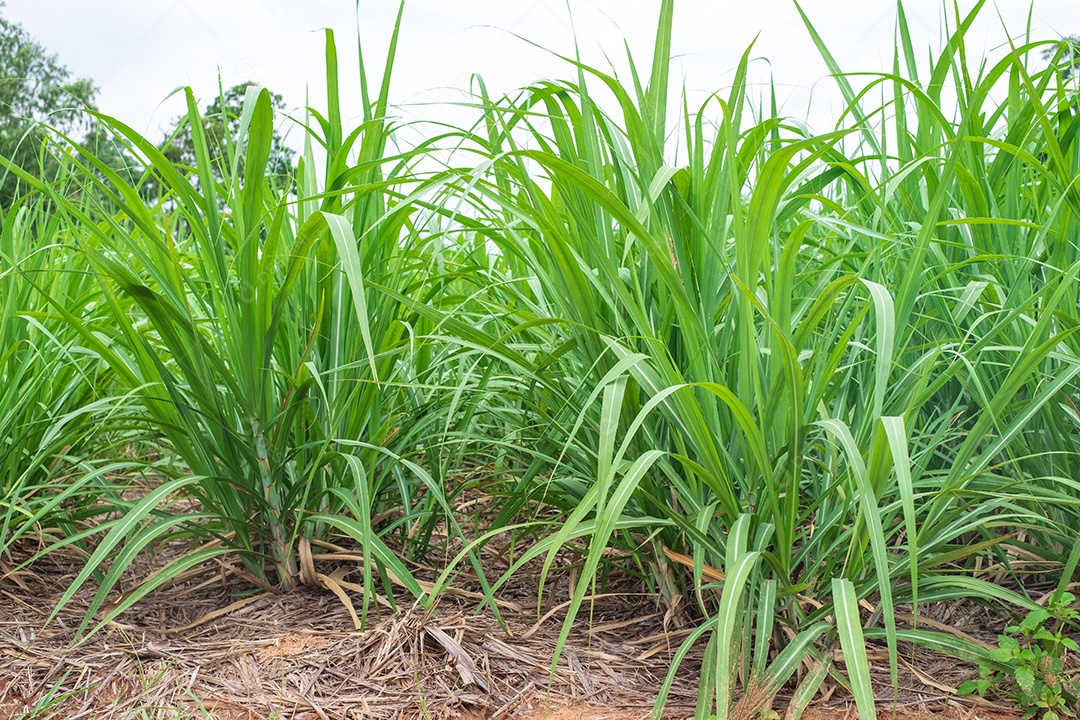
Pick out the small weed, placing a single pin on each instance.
(1034, 653)
(47, 706)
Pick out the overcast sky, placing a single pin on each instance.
(138, 51)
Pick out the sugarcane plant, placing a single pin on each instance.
(258, 326)
(851, 346)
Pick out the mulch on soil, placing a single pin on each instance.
(216, 641)
(214, 645)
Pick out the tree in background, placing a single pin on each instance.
(1069, 50)
(221, 120)
(35, 91)
(1066, 55)
(37, 94)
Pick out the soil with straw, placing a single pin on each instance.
(214, 645)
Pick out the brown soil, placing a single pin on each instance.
(213, 645)
(946, 712)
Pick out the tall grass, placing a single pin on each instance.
(54, 403)
(265, 341)
(830, 362)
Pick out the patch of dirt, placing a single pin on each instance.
(584, 712)
(943, 712)
(291, 645)
(847, 712)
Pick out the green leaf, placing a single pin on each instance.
(1025, 678)
(849, 628)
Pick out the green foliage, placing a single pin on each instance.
(54, 395)
(1032, 654)
(859, 349)
(221, 123)
(268, 342)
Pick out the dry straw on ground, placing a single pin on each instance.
(213, 645)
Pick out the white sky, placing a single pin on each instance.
(138, 51)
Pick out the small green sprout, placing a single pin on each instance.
(1034, 653)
